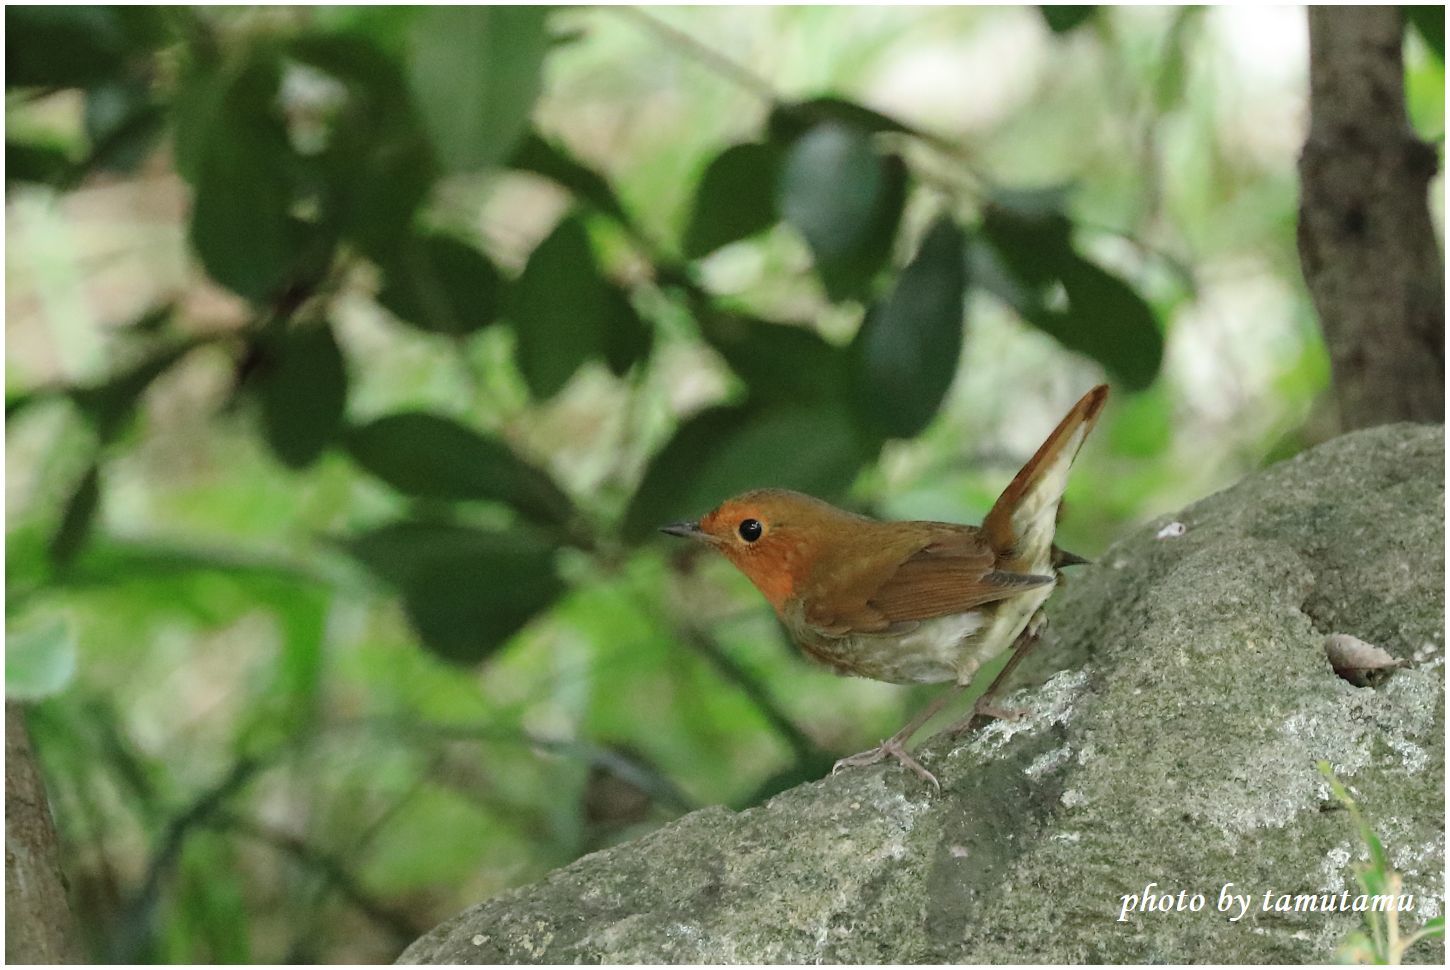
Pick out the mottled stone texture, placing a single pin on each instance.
(1175, 743)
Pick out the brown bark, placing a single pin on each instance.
(38, 924)
(1366, 243)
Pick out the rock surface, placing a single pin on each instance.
(1175, 744)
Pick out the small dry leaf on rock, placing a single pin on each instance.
(1360, 663)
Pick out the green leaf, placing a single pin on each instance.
(1030, 234)
(123, 122)
(63, 46)
(813, 448)
(566, 313)
(781, 363)
(40, 660)
(78, 519)
(1032, 259)
(789, 121)
(541, 157)
(846, 200)
(735, 198)
(442, 285)
(475, 72)
(430, 456)
(40, 162)
(378, 164)
(465, 590)
(241, 222)
(1062, 19)
(1429, 23)
(1108, 321)
(303, 392)
(908, 348)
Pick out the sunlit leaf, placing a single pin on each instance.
(40, 660)
(475, 72)
(735, 198)
(303, 392)
(430, 456)
(907, 351)
(465, 590)
(442, 285)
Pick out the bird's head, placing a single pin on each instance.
(772, 535)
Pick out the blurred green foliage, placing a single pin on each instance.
(355, 354)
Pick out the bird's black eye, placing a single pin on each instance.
(750, 529)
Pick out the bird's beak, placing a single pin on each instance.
(686, 530)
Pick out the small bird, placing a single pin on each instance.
(907, 602)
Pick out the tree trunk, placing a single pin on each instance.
(38, 925)
(1366, 243)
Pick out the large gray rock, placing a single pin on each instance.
(1176, 744)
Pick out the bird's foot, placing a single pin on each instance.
(890, 748)
(985, 708)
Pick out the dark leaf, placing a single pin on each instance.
(810, 447)
(63, 46)
(378, 166)
(1429, 23)
(303, 391)
(789, 121)
(566, 313)
(78, 519)
(781, 363)
(123, 123)
(474, 73)
(907, 350)
(442, 285)
(627, 338)
(1033, 266)
(430, 456)
(1030, 234)
(1108, 321)
(241, 222)
(542, 157)
(465, 590)
(846, 200)
(1064, 19)
(41, 163)
(735, 198)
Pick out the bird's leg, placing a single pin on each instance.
(895, 746)
(985, 705)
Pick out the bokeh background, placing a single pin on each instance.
(352, 353)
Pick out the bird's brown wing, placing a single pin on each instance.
(936, 574)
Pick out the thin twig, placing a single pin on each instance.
(327, 866)
(801, 745)
(714, 60)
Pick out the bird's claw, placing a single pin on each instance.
(890, 748)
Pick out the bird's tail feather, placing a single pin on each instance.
(1021, 525)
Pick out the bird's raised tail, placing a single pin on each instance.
(1021, 525)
